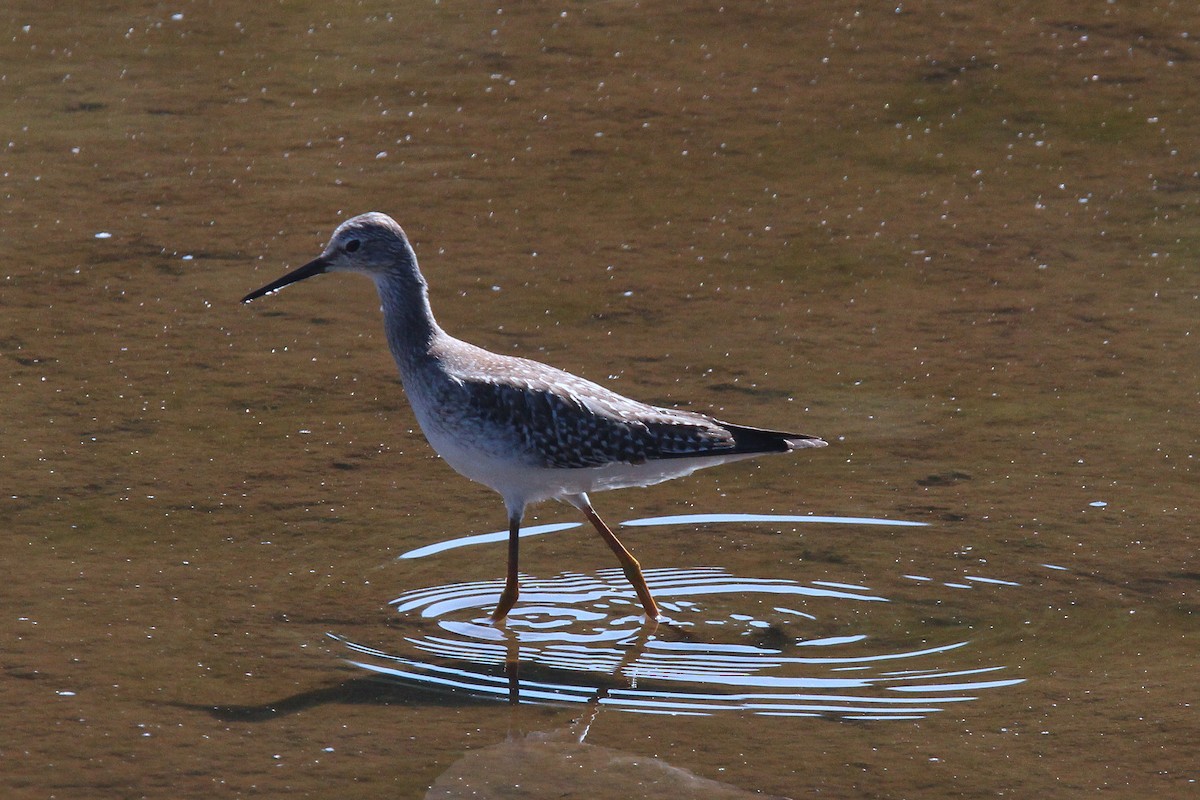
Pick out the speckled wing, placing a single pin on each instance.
(564, 421)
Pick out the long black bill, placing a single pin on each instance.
(314, 267)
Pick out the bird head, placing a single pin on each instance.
(371, 243)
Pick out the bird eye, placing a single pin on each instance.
(352, 245)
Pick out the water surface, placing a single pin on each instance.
(958, 244)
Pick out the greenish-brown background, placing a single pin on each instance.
(958, 240)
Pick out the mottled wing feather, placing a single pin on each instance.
(567, 430)
(561, 420)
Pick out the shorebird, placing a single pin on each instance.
(529, 431)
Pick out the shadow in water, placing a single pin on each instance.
(772, 647)
(560, 763)
(726, 643)
(775, 647)
(555, 765)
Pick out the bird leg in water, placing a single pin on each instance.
(633, 570)
(508, 597)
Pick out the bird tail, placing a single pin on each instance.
(762, 440)
(798, 442)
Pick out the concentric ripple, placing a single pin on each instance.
(726, 643)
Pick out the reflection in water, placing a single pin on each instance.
(554, 765)
(486, 538)
(695, 519)
(679, 519)
(771, 647)
(543, 763)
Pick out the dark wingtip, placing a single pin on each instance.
(762, 440)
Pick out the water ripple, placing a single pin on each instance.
(678, 519)
(726, 643)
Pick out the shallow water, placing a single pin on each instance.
(723, 643)
(960, 245)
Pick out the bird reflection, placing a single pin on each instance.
(560, 762)
(512, 666)
(727, 643)
(551, 764)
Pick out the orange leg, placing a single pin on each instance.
(508, 597)
(633, 570)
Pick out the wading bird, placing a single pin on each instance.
(529, 431)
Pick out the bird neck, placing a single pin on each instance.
(407, 318)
